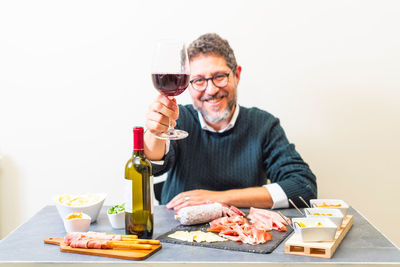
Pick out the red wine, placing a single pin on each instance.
(170, 84)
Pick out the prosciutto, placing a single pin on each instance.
(81, 239)
(238, 228)
(234, 226)
(267, 220)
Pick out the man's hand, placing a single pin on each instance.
(194, 197)
(160, 111)
(257, 197)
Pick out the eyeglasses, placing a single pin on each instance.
(220, 80)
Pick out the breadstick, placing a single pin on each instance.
(127, 245)
(145, 241)
(128, 237)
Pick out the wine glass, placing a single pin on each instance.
(170, 75)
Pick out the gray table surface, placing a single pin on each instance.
(363, 244)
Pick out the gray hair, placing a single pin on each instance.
(212, 44)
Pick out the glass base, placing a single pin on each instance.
(173, 135)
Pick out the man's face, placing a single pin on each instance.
(215, 104)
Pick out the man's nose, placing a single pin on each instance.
(211, 89)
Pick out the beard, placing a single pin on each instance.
(217, 116)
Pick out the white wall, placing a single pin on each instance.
(74, 79)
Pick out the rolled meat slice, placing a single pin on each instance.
(199, 214)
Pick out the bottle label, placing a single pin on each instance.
(128, 194)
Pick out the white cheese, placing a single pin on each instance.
(197, 236)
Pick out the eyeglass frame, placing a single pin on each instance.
(212, 80)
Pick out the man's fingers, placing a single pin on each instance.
(177, 200)
(168, 102)
(167, 106)
(160, 112)
(184, 204)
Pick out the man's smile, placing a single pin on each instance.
(214, 98)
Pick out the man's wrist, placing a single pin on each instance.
(277, 195)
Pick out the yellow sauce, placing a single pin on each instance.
(301, 224)
(324, 205)
(322, 214)
(75, 215)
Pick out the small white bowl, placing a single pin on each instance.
(335, 215)
(92, 208)
(117, 221)
(77, 224)
(330, 204)
(313, 233)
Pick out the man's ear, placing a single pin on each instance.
(237, 73)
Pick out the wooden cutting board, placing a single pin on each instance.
(137, 254)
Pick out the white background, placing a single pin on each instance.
(75, 79)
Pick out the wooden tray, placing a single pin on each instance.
(136, 254)
(319, 249)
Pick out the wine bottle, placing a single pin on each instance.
(138, 174)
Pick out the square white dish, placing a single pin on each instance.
(335, 215)
(330, 204)
(312, 233)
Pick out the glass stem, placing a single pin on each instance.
(170, 127)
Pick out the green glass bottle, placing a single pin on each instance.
(139, 209)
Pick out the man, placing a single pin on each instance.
(231, 150)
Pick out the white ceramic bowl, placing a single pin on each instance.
(330, 204)
(117, 221)
(92, 208)
(77, 224)
(334, 214)
(313, 233)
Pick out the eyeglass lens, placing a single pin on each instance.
(219, 80)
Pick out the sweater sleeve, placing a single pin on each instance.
(167, 162)
(285, 166)
(169, 158)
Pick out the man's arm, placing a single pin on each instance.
(247, 197)
(154, 148)
(286, 168)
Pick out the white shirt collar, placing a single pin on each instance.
(229, 126)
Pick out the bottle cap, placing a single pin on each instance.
(138, 138)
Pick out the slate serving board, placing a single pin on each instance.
(265, 248)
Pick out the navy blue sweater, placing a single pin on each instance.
(254, 150)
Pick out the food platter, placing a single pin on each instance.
(268, 247)
(265, 248)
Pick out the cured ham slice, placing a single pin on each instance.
(238, 228)
(95, 240)
(88, 243)
(237, 211)
(267, 220)
(90, 235)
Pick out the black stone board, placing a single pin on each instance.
(268, 247)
